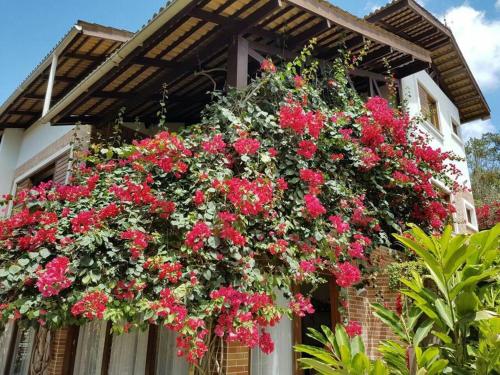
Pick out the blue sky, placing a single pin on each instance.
(30, 28)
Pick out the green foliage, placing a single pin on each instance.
(483, 159)
(456, 302)
(339, 354)
(395, 270)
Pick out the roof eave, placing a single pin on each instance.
(115, 59)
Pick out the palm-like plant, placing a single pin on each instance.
(338, 354)
(447, 297)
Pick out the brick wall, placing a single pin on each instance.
(62, 349)
(237, 359)
(359, 304)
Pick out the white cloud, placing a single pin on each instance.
(477, 128)
(479, 40)
(497, 4)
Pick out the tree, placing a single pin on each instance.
(281, 182)
(483, 158)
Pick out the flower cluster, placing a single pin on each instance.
(53, 278)
(91, 306)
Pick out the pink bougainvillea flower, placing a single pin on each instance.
(314, 207)
(246, 146)
(53, 278)
(353, 328)
(347, 275)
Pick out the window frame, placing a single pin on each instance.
(469, 207)
(436, 128)
(297, 322)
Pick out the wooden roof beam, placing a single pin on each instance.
(354, 24)
(82, 56)
(301, 39)
(388, 11)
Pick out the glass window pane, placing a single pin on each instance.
(280, 361)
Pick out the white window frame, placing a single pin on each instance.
(437, 133)
(453, 201)
(472, 226)
(456, 137)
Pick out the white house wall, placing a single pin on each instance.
(445, 139)
(38, 137)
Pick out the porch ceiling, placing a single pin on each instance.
(82, 50)
(191, 37)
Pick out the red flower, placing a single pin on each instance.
(301, 305)
(53, 279)
(197, 237)
(356, 250)
(338, 224)
(266, 343)
(347, 275)
(267, 66)
(298, 81)
(353, 328)
(279, 247)
(399, 304)
(250, 197)
(199, 198)
(84, 221)
(273, 152)
(214, 146)
(111, 210)
(313, 206)
(139, 241)
(232, 235)
(246, 146)
(307, 149)
(313, 179)
(170, 271)
(91, 306)
(282, 184)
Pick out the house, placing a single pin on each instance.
(193, 46)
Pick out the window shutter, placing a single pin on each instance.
(424, 100)
(61, 169)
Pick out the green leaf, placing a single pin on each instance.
(323, 369)
(14, 269)
(44, 253)
(422, 332)
(444, 312)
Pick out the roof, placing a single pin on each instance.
(188, 41)
(79, 52)
(409, 20)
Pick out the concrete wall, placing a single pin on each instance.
(9, 151)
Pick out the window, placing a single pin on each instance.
(428, 106)
(455, 128)
(469, 214)
(325, 300)
(280, 361)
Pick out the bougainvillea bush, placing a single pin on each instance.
(281, 183)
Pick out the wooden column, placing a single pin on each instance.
(237, 63)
